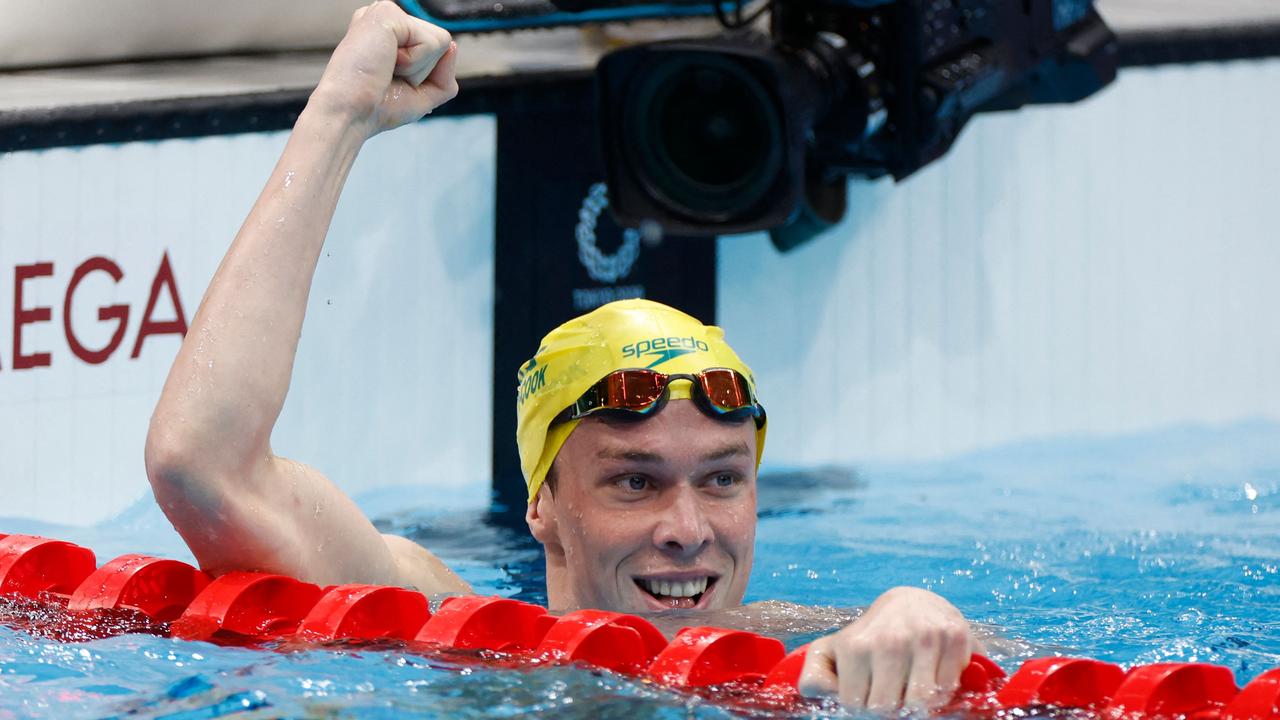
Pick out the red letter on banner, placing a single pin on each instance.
(164, 276)
(23, 316)
(119, 313)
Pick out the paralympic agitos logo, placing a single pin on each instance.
(662, 349)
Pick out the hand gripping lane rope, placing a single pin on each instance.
(164, 595)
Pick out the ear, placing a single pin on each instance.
(541, 517)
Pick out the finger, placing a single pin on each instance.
(441, 86)
(854, 668)
(443, 77)
(359, 13)
(922, 679)
(889, 668)
(416, 62)
(414, 102)
(818, 675)
(955, 657)
(420, 46)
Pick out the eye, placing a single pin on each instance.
(634, 483)
(724, 480)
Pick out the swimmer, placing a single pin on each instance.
(642, 483)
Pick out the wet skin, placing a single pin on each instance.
(641, 506)
(644, 513)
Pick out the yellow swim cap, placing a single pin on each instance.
(576, 355)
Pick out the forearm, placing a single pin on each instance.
(229, 380)
(208, 452)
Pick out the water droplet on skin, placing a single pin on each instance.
(288, 180)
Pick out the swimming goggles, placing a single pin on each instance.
(721, 393)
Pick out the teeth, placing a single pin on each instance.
(669, 588)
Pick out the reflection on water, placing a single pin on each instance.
(1134, 550)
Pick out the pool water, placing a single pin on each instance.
(1154, 547)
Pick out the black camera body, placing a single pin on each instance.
(750, 132)
(702, 134)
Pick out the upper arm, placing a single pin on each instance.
(278, 516)
(422, 570)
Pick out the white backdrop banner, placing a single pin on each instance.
(105, 252)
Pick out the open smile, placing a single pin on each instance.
(676, 592)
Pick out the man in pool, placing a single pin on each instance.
(642, 485)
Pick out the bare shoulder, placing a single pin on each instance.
(422, 570)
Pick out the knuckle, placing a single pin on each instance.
(930, 638)
(860, 645)
(896, 641)
(816, 676)
(819, 653)
(813, 683)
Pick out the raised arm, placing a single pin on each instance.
(208, 454)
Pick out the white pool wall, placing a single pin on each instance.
(1102, 268)
(1108, 267)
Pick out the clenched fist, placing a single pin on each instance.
(907, 651)
(390, 69)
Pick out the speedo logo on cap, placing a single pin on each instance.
(662, 349)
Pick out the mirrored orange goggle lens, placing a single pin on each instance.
(633, 389)
(725, 389)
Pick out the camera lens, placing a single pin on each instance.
(705, 135)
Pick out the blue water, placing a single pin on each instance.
(1163, 546)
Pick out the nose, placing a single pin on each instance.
(683, 528)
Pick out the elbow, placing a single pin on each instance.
(177, 466)
(191, 468)
(190, 493)
(169, 462)
(167, 453)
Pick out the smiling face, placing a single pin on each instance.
(650, 515)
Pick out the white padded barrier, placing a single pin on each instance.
(67, 32)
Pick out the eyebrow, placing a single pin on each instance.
(723, 452)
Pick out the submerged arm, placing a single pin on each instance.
(208, 454)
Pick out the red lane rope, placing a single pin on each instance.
(242, 607)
